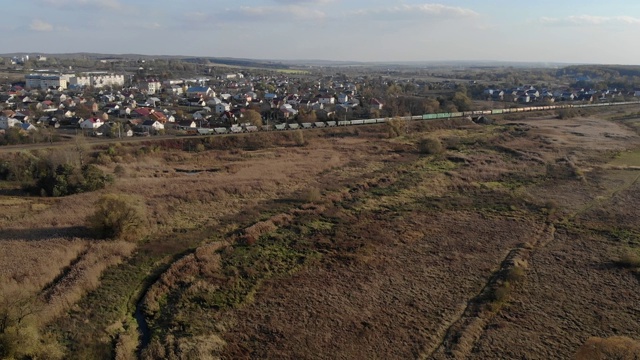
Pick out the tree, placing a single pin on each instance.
(308, 117)
(431, 106)
(253, 117)
(20, 337)
(461, 101)
(118, 217)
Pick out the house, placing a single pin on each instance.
(242, 98)
(7, 123)
(91, 123)
(293, 99)
(28, 127)
(343, 98)
(375, 104)
(228, 116)
(153, 101)
(213, 102)
(158, 116)
(524, 98)
(287, 111)
(200, 91)
(497, 95)
(140, 112)
(326, 99)
(185, 124)
(152, 126)
(221, 108)
(175, 90)
(197, 102)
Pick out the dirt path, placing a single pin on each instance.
(464, 332)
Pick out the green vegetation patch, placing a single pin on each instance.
(627, 158)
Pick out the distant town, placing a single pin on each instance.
(127, 97)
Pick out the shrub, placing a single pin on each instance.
(298, 138)
(312, 195)
(452, 143)
(629, 260)
(516, 274)
(200, 147)
(567, 113)
(120, 170)
(430, 146)
(395, 127)
(118, 217)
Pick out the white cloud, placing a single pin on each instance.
(304, 1)
(276, 14)
(590, 20)
(101, 4)
(279, 13)
(429, 9)
(39, 25)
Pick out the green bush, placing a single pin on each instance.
(118, 217)
(68, 179)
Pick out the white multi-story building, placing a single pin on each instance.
(151, 87)
(46, 81)
(97, 80)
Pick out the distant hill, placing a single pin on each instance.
(285, 64)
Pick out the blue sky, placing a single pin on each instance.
(362, 30)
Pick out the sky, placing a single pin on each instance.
(567, 31)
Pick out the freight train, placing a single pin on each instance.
(437, 116)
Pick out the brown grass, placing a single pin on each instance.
(617, 347)
(83, 275)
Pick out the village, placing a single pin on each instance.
(103, 103)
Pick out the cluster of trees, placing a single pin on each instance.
(16, 135)
(58, 173)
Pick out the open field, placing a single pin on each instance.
(514, 240)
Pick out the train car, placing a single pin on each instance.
(443, 115)
(250, 128)
(497, 111)
(457, 114)
(429, 116)
(331, 123)
(415, 117)
(467, 113)
(369, 121)
(319, 124)
(344, 122)
(306, 125)
(235, 129)
(205, 131)
(281, 126)
(220, 130)
(383, 120)
(293, 126)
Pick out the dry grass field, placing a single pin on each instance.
(514, 240)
